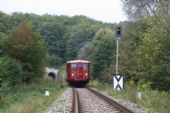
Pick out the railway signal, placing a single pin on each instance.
(118, 32)
(117, 79)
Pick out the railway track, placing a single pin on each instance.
(86, 100)
(75, 104)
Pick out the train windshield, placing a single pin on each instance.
(85, 67)
(73, 67)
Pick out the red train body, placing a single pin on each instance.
(78, 72)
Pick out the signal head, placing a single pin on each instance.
(118, 32)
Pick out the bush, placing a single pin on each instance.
(54, 61)
(10, 75)
(10, 71)
(26, 46)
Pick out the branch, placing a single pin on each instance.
(153, 12)
(144, 7)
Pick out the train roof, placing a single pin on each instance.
(78, 61)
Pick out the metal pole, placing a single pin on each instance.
(117, 57)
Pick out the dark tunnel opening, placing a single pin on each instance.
(51, 74)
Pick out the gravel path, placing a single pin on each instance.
(132, 106)
(91, 103)
(63, 103)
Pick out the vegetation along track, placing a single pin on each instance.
(86, 100)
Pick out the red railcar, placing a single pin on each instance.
(78, 72)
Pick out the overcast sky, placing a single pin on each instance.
(102, 10)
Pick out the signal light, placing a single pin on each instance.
(118, 32)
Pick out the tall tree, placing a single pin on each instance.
(103, 53)
(137, 9)
(25, 46)
(153, 56)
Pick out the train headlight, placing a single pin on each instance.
(86, 74)
(72, 75)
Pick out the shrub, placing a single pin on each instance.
(10, 75)
(10, 71)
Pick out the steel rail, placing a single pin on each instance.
(75, 102)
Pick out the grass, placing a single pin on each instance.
(153, 100)
(30, 98)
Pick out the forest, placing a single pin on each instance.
(29, 42)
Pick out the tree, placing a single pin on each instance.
(53, 36)
(77, 37)
(153, 56)
(10, 72)
(27, 48)
(86, 52)
(149, 41)
(54, 61)
(103, 53)
(137, 9)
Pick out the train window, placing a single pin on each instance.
(85, 67)
(73, 67)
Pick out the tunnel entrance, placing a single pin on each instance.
(52, 75)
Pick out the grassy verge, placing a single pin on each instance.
(30, 98)
(154, 101)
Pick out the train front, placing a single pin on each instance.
(78, 72)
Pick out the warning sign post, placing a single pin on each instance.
(118, 82)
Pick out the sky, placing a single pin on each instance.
(101, 10)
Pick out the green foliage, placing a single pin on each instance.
(152, 65)
(97, 85)
(86, 52)
(64, 36)
(78, 37)
(149, 42)
(27, 48)
(53, 36)
(103, 53)
(30, 98)
(54, 61)
(144, 46)
(10, 72)
(144, 52)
